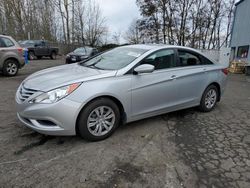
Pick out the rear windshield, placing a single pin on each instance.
(115, 59)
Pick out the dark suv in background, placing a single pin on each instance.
(39, 48)
(81, 54)
(11, 56)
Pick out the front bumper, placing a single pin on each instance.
(50, 119)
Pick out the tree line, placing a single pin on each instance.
(202, 24)
(66, 21)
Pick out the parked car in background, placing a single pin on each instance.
(11, 56)
(81, 54)
(125, 84)
(39, 48)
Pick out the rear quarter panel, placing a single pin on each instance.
(215, 75)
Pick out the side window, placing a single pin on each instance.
(188, 59)
(94, 52)
(42, 44)
(206, 61)
(162, 59)
(38, 44)
(6, 42)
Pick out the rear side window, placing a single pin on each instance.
(162, 59)
(206, 61)
(5, 42)
(188, 58)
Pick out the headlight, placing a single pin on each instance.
(56, 94)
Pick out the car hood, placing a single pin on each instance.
(59, 76)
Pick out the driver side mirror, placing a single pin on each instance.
(145, 68)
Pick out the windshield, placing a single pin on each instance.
(27, 42)
(82, 50)
(115, 59)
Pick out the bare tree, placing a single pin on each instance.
(95, 24)
(133, 34)
(196, 23)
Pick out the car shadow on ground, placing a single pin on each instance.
(38, 139)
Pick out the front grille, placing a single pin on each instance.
(25, 93)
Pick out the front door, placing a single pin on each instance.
(155, 92)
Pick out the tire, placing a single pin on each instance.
(93, 128)
(39, 57)
(10, 67)
(32, 55)
(53, 55)
(209, 99)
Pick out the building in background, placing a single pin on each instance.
(240, 39)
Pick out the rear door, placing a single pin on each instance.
(7, 48)
(191, 78)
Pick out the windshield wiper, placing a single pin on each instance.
(96, 67)
(93, 64)
(84, 61)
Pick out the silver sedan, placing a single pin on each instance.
(93, 97)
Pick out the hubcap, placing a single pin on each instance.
(12, 68)
(211, 98)
(101, 120)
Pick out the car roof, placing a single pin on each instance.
(154, 47)
(158, 46)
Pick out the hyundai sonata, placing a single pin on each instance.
(122, 85)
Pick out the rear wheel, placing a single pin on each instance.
(10, 67)
(53, 55)
(98, 120)
(209, 99)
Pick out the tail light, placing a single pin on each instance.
(225, 71)
(20, 50)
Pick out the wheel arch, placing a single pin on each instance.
(13, 58)
(53, 51)
(114, 99)
(217, 85)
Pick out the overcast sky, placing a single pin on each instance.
(119, 13)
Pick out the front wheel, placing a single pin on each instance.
(10, 67)
(98, 120)
(209, 99)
